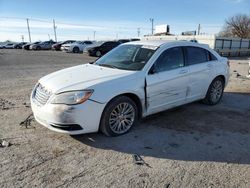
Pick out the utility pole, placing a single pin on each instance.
(22, 37)
(138, 32)
(199, 29)
(152, 24)
(49, 36)
(94, 34)
(28, 26)
(54, 26)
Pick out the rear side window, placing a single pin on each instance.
(212, 57)
(170, 59)
(196, 55)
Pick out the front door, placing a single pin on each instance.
(167, 81)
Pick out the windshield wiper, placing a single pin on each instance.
(107, 65)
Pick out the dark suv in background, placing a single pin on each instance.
(101, 48)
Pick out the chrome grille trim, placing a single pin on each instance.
(41, 95)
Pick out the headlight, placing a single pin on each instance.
(72, 97)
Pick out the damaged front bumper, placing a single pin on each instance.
(70, 119)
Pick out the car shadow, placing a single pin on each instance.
(194, 132)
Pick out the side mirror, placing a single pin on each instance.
(152, 70)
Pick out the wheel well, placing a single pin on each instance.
(222, 77)
(137, 101)
(219, 76)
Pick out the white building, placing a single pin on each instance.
(224, 46)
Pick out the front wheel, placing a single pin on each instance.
(215, 92)
(76, 50)
(119, 116)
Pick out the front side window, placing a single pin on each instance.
(127, 57)
(170, 59)
(196, 55)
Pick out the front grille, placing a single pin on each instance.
(41, 95)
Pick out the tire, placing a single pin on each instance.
(114, 121)
(38, 48)
(98, 54)
(215, 92)
(76, 50)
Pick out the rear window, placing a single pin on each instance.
(196, 55)
(212, 57)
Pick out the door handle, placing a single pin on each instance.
(183, 71)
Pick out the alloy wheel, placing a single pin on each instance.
(122, 118)
(216, 91)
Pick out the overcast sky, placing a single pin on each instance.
(110, 19)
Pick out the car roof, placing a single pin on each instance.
(158, 43)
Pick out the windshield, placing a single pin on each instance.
(127, 57)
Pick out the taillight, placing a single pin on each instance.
(228, 63)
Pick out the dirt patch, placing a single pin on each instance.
(5, 104)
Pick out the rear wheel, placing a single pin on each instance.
(119, 116)
(215, 92)
(76, 50)
(38, 48)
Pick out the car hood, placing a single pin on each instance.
(80, 77)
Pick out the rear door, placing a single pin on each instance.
(200, 71)
(166, 85)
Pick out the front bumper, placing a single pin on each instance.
(65, 118)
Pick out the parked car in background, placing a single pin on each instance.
(134, 39)
(134, 80)
(101, 48)
(76, 47)
(128, 40)
(27, 46)
(8, 46)
(123, 40)
(42, 45)
(19, 45)
(57, 46)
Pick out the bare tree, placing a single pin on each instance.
(237, 26)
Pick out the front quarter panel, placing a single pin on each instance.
(106, 91)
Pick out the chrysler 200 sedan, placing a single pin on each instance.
(130, 82)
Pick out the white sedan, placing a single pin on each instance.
(75, 47)
(132, 81)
